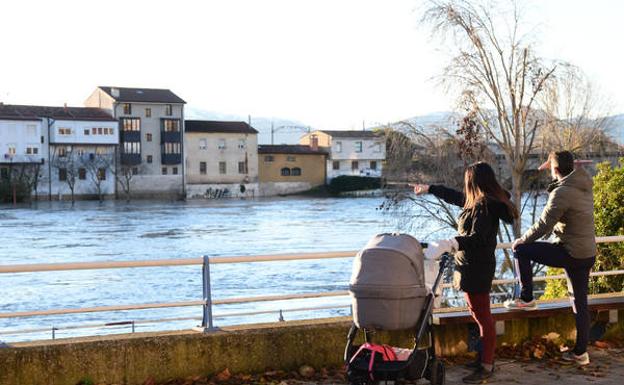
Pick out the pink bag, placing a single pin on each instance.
(386, 352)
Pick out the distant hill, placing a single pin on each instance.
(616, 129)
(286, 131)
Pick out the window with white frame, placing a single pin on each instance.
(86, 132)
(32, 149)
(64, 131)
(221, 144)
(242, 143)
(358, 146)
(222, 168)
(203, 144)
(338, 146)
(11, 149)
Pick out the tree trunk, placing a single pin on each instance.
(516, 195)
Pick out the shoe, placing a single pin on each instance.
(473, 365)
(520, 304)
(580, 360)
(479, 376)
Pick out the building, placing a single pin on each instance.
(288, 169)
(151, 138)
(221, 159)
(73, 148)
(360, 153)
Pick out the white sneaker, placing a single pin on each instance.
(519, 304)
(581, 360)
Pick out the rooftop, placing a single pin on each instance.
(142, 95)
(217, 126)
(290, 149)
(351, 134)
(25, 112)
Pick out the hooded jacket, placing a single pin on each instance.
(475, 262)
(569, 215)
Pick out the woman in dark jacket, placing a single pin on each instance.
(484, 203)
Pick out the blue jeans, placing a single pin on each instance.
(555, 255)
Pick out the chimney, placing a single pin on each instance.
(65, 107)
(115, 92)
(314, 142)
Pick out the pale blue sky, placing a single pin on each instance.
(327, 63)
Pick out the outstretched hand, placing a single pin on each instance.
(420, 189)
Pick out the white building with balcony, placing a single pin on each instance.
(64, 146)
(359, 153)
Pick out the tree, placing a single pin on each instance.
(97, 165)
(497, 75)
(66, 162)
(609, 219)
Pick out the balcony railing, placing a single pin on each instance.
(207, 302)
(130, 136)
(170, 137)
(130, 159)
(171, 158)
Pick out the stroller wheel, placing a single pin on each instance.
(436, 372)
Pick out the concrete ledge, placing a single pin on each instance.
(132, 358)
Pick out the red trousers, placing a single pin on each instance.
(479, 306)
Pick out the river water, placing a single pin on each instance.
(116, 231)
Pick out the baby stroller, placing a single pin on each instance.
(388, 292)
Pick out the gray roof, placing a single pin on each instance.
(26, 112)
(143, 95)
(290, 149)
(352, 134)
(218, 126)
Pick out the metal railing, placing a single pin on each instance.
(207, 302)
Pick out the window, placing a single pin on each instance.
(111, 131)
(131, 124)
(99, 131)
(174, 171)
(203, 144)
(338, 146)
(86, 132)
(202, 168)
(358, 146)
(296, 171)
(373, 165)
(32, 149)
(94, 130)
(11, 150)
(242, 143)
(101, 174)
(62, 152)
(268, 158)
(355, 165)
(148, 112)
(82, 173)
(171, 125)
(222, 168)
(242, 168)
(290, 158)
(285, 171)
(135, 170)
(62, 174)
(80, 151)
(171, 148)
(150, 159)
(64, 131)
(164, 170)
(336, 165)
(168, 110)
(127, 109)
(221, 144)
(131, 147)
(148, 137)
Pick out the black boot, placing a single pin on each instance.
(479, 376)
(477, 362)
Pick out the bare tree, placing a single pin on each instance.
(97, 165)
(497, 74)
(66, 162)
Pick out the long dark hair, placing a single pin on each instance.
(481, 184)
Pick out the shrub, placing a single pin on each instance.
(609, 218)
(352, 183)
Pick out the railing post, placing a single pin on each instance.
(207, 324)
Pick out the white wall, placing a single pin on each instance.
(22, 134)
(373, 149)
(78, 135)
(84, 187)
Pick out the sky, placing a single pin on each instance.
(331, 64)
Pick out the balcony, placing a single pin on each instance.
(130, 159)
(171, 158)
(130, 136)
(170, 137)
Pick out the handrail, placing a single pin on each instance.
(31, 268)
